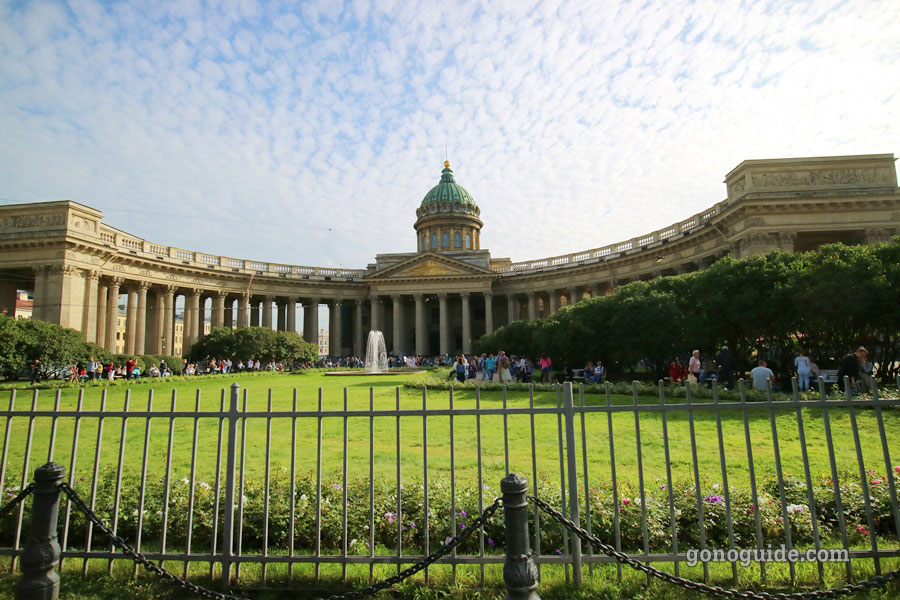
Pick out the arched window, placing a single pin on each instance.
(457, 240)
(445, 240)
(468, 241)
(434, 241)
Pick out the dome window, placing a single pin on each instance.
(457, 240)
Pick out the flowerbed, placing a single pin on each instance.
(412, 522)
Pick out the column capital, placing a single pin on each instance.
(395, 297)
(142, 286)
(169, 289)
(117, 281)
(194, 292)
(488, 294)
(269, 298)
(419, 297)
(464, 294)
(93, 274)
(442, 295)
(220, 293)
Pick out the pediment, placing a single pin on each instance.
(431, 265)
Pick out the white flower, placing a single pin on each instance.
(185, 481)
(715, 486)
(795, 508)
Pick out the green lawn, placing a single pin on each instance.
(207, 393)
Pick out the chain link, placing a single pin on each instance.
(17, 500)
(150, 565)
(847, 590)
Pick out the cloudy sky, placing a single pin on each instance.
(308, 133)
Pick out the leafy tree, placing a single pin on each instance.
(254, 342)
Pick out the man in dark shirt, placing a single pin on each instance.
(850, 367)
(727, 366)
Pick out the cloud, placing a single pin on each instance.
(314, 132)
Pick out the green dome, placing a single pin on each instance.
(448, 191)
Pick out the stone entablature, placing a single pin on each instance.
(427, 301)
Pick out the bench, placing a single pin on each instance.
(829, 375)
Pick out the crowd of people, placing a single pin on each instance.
(723, 368)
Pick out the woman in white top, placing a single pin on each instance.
(803, 369)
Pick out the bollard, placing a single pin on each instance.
(39, 580)
(519, 571)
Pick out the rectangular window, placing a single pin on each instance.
(433, 241)
(445, 240)
(468, 241)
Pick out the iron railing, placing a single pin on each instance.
(563, 462)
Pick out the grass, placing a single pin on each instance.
(602, 584)
(206, 394)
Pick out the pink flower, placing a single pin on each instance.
(862, 530)
(626, 501)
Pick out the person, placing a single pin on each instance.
(490, 363)
(762, 377)
(163, 367)
(72, 374)
(36, 371)
(111, 371)
(866, 373)
(129, 367)
(460, 369)
(599, 372)
(694, 367)
(674, 371)
(503, 364)
(804, 367)
(546, 365)
(708, 373)
(91, 369)
(851, 367)
(588, 372)
(727, 366)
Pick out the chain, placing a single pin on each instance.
(150, 565)
(847, 590)
(17, 500)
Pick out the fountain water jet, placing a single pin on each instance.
(376, 360)
(376, 353)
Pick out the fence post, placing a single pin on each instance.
(228, 525)
(39, 580)
(572, 476)
(519, 571)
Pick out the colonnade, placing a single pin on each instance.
(413, 323)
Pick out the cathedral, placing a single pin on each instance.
(80, 269)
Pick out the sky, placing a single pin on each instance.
(308, 133)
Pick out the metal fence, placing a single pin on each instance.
(562, 462)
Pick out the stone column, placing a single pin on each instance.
(159, 323)
(243, 319)
(167, 341)
(488, 312)
(421, 326)
(131, 321)
(358, 328)
(193, 308)
(595, 290)
(374, 313)
(112, 313)
(553, 296)
(228, 318)
(140, 332)
(218, 314)
(334, 329)
(89, 311)
(63, 296)
(292, 315)
(444, 324)
(532, 306)
(311, 321)
(871, 236)
(786, 240)
(253, 307)
(466, 324)
(267, 312)
(512, 306)
(397, 341)
(573, 296)
(40, 294)
(102, 293)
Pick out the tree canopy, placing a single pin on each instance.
(827, 302)
(254, 343)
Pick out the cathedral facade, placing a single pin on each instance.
(436, 300)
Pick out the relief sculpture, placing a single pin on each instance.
(33, 222)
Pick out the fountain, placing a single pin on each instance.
(376, 360)
(376, 353)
